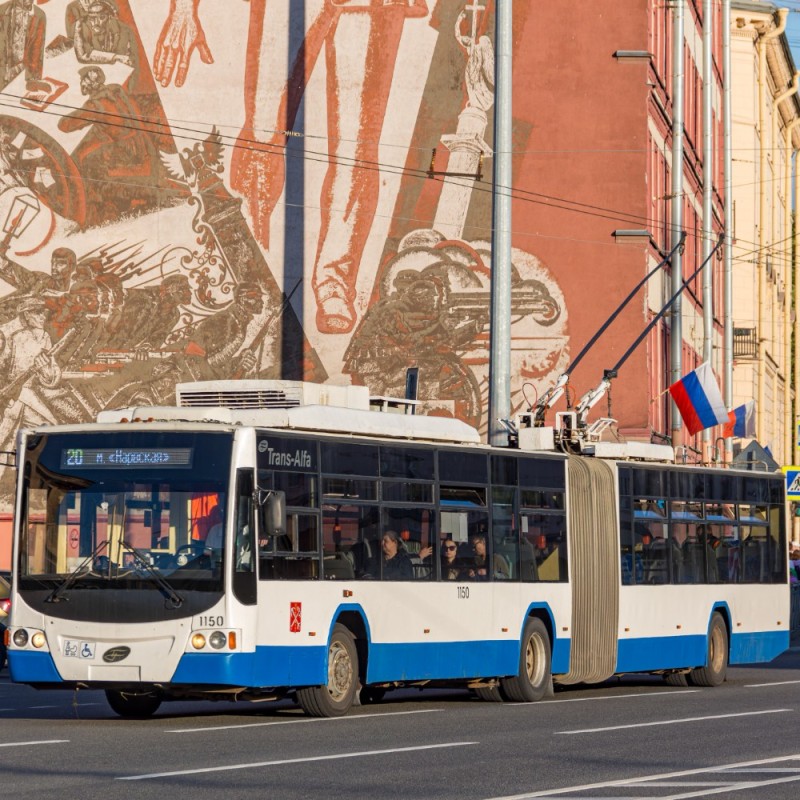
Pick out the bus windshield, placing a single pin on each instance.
(124, 510)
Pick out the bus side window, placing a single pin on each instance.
(244, 576)
(505, 542)
(351, 532)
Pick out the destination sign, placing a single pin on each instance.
(125, 457)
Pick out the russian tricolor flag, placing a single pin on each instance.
(741, 421)
(699, 400)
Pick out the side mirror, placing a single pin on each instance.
(273, 513)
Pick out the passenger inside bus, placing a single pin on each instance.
(452, 567)
(395, 565)
(479, 568)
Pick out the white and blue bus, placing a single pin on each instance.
(269, 539)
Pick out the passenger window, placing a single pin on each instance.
(349, 459)
(543, 547)
(350, 532)
(294, 554)
(469, 531)
(505, 536)
(463, 467)
(415, 531)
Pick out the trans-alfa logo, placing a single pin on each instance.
(116, 654)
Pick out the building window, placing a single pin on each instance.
(745, 343)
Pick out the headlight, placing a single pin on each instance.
(217, 640)
(20, 637)
(38, 640)
(198, 641)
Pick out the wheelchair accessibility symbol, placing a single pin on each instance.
(73, 649)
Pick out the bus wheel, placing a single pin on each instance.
(490, 694)
(336, 697)
(676, 679)
(534, 679)
(133, 705)
(713, 674)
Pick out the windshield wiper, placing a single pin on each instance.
(56, 596)
(172, 596)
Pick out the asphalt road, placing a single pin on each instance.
(632, 737)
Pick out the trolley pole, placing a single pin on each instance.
(500, 330)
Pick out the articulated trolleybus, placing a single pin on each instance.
(264, 540)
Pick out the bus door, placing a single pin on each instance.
(241, 547)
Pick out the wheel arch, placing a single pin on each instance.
(352, 617)
(543, 612)
(722, 608)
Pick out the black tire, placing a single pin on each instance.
(676, 679)
(713, 673)
(133, 705)
(490, 694)
(371, 694)
(534, 679)
(335, 698)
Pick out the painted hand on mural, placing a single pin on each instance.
(181, 35)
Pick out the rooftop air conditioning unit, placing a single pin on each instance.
(267, 394)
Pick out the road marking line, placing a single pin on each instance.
(644, 779)
(776, 683)
(31, 708)
(27, 744)
(304, 719)
(764, 769)
(673, 721)
(607, 697)
(307, 760)
(689, 784)
(736, 787)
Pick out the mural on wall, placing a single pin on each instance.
(195, 190)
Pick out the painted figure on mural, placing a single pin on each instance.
(29, 368)
(419, 325)
(99, 37)
(217, 347)
(361, 40)
(116, 145)
(479, 73)
(22, 36)
(34, 283)
(148, 315)
(78, 12)
(220, 339)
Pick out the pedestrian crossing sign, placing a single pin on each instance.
(792, 482)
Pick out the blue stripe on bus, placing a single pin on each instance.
(661, 652)
(268, 666)
(440, 660)
(28, 666)
(675, 652)
(304, 666)
(752, 648)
